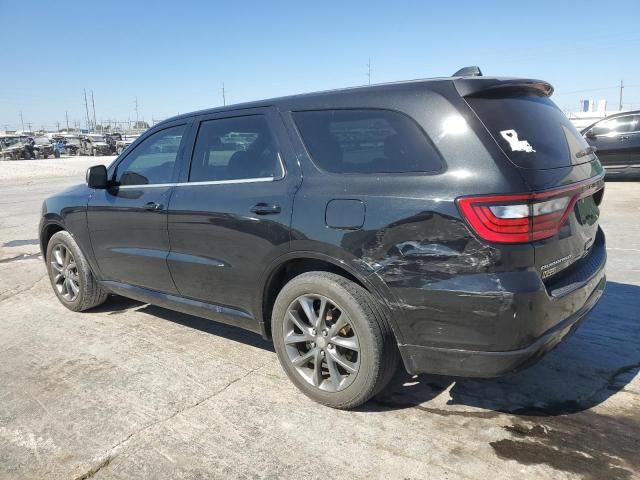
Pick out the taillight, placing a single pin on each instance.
(522, 218)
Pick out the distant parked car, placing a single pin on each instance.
(64, 144)
(93, 145)
(122, 144)
(112, 140)
(17, 147)
(42, 147)
(617, 139)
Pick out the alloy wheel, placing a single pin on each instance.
(321, 342)
(65, 273)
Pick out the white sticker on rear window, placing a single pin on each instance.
(515, 143)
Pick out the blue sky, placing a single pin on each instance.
(174, 56)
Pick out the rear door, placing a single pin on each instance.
(128, 222)
(230, 215)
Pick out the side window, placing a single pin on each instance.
(615, 126)
(366, 141)
(235, 149)
(153, 161)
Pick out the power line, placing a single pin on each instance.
(594, 89)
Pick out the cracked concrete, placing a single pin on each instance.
(113, 452)
(136, 391)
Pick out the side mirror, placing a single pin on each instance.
(590, 134)
(97, 177)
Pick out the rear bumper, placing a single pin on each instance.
(492, 323)
(473, 363)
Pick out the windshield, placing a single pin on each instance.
(531, 130)
(10, 141)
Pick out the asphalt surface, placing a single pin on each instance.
(135, 391)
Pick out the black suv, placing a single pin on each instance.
(449, 224)
(617, 139)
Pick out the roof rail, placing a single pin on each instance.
(472, 71)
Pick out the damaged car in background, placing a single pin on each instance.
(124, 142)
(24, 147)
(446, 226)
(93, 144)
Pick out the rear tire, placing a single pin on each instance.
(333, 339)
(70, 274)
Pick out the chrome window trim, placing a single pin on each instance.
(283, 171)
(187, 184)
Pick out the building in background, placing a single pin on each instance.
(590, 113)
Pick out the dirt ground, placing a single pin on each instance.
(136, 391)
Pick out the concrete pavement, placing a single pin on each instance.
(135, 391)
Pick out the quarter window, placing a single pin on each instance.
(235, 149)
(153, 160)
(366, 141)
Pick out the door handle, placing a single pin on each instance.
(153, 207)
(265, 209)
(624, 137)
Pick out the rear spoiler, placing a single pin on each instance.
(470, 86)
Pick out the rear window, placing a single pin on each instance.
(366, 141)
(531, 130)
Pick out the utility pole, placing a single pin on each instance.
(29, 125)
(93, 105)
(86, 107)
(22, 121)
(369, 70)
(224, 98)
(621, 87)
(57, 126)
(136, 103)
(66, 116)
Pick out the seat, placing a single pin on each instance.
(240, 166)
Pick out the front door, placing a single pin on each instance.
(230, 217)
(128, 222)
(617, 140)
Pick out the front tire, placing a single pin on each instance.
(333, 339)
(70, 275)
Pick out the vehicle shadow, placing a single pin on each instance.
(600, 359)
(117, 305)
(628, 177)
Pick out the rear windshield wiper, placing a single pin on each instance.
(587, 151)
